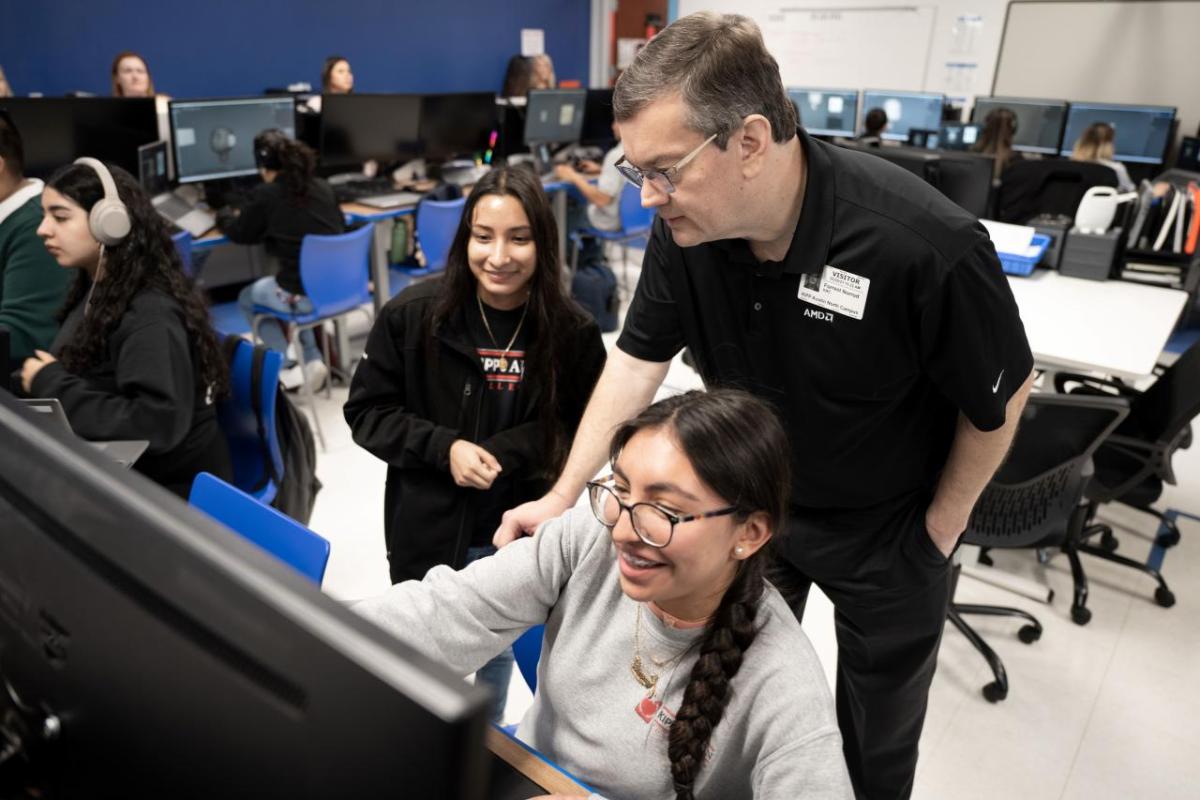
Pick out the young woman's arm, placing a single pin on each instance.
(247, 225)
(377, 410)
(463, 619)
(155, 392)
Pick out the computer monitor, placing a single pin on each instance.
(921, 163)
(826, 112)
(58, 130)
(214, 139)
(152, 168)
(1189, 154)
(554, 116)
(905, 110)
(169, 657)
(966, 178)
(457, 124)
(1039, 122)
(598, 119)
(1142, 132)
(923, 139)
(958, 135)
(363, 127)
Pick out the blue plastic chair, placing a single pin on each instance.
(183, 244)
(335, 271)
(251, 472)
(277, 533)
(437, 221)
(635, 224)
(527, 649)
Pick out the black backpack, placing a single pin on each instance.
(298, 486)
(594, 286)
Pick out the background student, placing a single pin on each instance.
(471, 386)
(336, 78)
(136, 357)
(290, 204)
(1096, 143)
(996, 139)
(131, 76)
(874, 124)
(670, 667)
(32, 286)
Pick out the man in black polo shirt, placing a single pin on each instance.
(866, 307)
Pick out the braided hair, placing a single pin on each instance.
(738, 448)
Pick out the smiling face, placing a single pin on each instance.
(707, 189)
(688, 577)
(501, 251)
(341, 79)
(64, 231)
(132, 77)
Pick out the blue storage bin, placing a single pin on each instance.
(1023, 265)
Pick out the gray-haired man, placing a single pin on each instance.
(866, 307)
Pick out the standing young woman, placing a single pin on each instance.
(136, 357)
(670, 667)
(290, 204)
(336, 78)
(131, 76)
(471, 386)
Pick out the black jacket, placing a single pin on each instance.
(281, 222)
(407, 411)
(148, 386)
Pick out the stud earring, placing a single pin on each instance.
(738, 550)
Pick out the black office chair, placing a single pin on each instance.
(1135, 462)
(1036, 500)
(1047, 186)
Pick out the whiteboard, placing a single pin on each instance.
(841, 46)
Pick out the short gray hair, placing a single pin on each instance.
(719, 66)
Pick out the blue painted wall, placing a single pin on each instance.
(206, 48)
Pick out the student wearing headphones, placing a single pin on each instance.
(136, 357)
(996, 139)
(874, 124)
(290, 204)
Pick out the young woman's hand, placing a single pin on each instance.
(472, 466)
(33, 366)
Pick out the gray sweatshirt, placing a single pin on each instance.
(778, 738)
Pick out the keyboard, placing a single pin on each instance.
(356, 190)
(391, 200)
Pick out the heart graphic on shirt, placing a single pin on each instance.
(647, 708)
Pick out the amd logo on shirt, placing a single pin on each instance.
(812, 313)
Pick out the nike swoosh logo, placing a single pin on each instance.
(996, 388)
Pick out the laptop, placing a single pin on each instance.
(152, 173)
(49, 412)
(391, 200)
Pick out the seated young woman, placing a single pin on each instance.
(136, 356)
(670, 668)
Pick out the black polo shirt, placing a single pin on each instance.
(889, 315)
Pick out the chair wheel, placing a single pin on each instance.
(985, 559)
(994, 692)
(1108, 542)
(1168, 538)
(1164, 597)
(1081, 615)
(1029, 633)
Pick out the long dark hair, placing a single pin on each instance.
(738, 448)
(551, 314)
(517, 77)
(996, 138)
(145, 259)
(327, 70)
(294, 161)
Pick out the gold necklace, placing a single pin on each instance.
(648, 680)
(504, 353)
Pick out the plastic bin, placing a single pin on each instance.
(1023, 265)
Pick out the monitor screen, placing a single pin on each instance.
(598, 119)
(361, 127)
(826, 112)
(57, 130)
(179, 660)
(958, 135)
(905, 110)
(1039, 122)
(554, 116)
(1142, 132)
(457, 124)
(214, 139)
(1189, 154)
(152, 168)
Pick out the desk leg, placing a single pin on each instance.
(559, 204)
(380, 241)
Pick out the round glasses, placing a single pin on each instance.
(653, 525)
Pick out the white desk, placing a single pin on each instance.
(1114, 327)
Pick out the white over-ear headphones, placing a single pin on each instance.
(108, 219)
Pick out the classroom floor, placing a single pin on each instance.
(1102, 711)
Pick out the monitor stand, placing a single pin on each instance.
(542, 159)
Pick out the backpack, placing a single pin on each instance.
(595, 287)
(297, 488)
